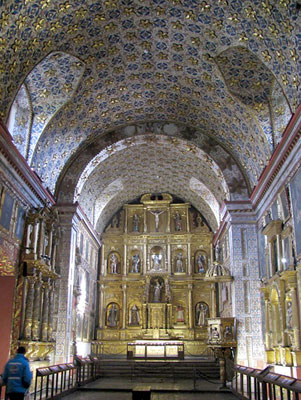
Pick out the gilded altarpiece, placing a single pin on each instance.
(152, 283)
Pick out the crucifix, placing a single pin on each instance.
(156, 214)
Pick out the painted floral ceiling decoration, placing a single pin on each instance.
(214, 67)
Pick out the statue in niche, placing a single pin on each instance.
(180, 314)
(179, 263)
(228, 333)
(178, 222)
(112, 313)
(157, 291)
(135, 264)
(289, 315)
(202, 312)
(134, 317)
(157, 262)
(113, 263)
(157, 213)
(200, 263)
(135, 223)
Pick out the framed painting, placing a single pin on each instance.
(6, 211)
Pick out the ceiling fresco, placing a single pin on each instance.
(79, 76)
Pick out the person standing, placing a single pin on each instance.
(17, 375)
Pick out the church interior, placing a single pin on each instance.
(150, 180)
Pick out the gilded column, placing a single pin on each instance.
(213, 300)
(48, 249)
(101, 307)
(293, 292)
(125, 259)
(50, 329)
(190, 313)
(144, 218)
(126, 220)
(36, 315)
(267, 322)
(187, 219)
(169, 261)
(45, 311)
(145, 260)
(189, 258)
(29, 307)
(103, 262)
(124, 306)
(40, 237)
(168, 220)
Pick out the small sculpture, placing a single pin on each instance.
(135, 264)
(178, 222)
(113, 261)
(135, 223)
(112, 315)
(157, 291)
(179, 263)
(201, 260)
(157, 213)
(134, 317)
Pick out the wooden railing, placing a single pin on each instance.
(255, 384)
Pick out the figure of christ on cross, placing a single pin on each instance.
(156, 214)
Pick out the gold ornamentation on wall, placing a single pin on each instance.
(154, 258)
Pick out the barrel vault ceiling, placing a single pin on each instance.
(108, 100)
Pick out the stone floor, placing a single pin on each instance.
(151, 388)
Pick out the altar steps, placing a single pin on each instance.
(205, 369)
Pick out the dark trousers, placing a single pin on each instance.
(15, 396)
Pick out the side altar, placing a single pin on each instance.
(153, 283)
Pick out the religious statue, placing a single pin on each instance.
(202, 312)
(156, 262)
(289, 315)
(134, 317)
(179, 263)
(112, 315)
(135, 264)
(135, 223)
(113, 263)
(156, 214)
(178, 222)
(157, 291)
(228, 333)
(201, 260)
(180, 314)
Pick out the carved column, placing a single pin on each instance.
(169, 260)
(168, 220)
(40, 246)
(145, 260)
(101, 306)
(294, 297)
(29, 307)
(124, 306)
(267, 321)
(36, 315)
(50, 327)
(45, 311)
(190, 311)
(125, 259)
(144, 219)
(189, 258)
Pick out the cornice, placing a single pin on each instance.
(289, 140)
(21, 168)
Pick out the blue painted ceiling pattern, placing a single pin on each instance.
(49, 86)
(155, 60)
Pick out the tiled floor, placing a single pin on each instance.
(121, 389)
